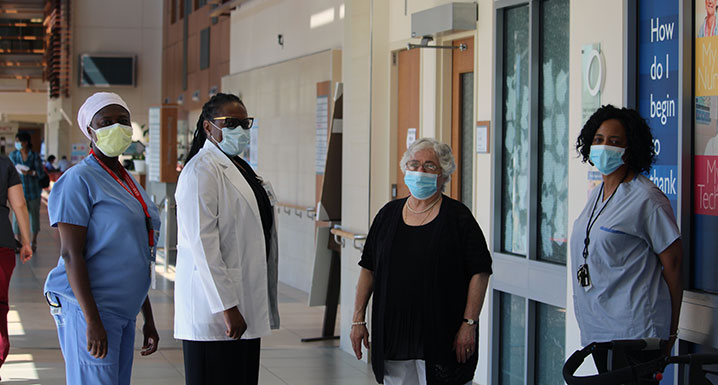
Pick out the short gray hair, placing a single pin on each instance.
(442, 151)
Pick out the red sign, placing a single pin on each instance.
(706, 185)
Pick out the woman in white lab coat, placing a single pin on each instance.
(226, 279)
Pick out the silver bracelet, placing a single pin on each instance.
(358, 323)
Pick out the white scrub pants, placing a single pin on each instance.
(80, 367)
(406, 372)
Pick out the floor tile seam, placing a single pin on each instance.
(275, 375)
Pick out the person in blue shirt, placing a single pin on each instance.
(108, 231)
(626, 250)
(50, 163)
(29, 165)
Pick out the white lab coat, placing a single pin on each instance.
(221, 257)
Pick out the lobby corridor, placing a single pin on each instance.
(35, 356)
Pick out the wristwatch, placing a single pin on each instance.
(470, 321)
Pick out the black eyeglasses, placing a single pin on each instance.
(413, 165)
(229, 121)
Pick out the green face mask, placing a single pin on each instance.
(113, 140)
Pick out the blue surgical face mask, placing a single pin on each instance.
(234, 140)
(607, 159)
(18, 146)
(421, 185)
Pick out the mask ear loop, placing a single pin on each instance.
(214, 140)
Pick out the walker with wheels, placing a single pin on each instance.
(696, 373)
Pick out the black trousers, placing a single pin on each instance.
(624, 359)
(221, 362)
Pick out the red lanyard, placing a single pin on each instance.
(134, 191)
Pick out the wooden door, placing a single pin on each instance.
(408, 108)
(462, 120)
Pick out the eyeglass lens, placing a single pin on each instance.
(236, 122)
(414, 165)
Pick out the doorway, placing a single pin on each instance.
(462, 121)
(407, 109)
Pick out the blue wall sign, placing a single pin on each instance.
(658, 88)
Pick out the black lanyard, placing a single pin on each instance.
(592, 221)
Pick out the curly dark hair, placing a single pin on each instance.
(639, 155)
(208, 111)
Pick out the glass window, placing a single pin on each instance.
(512, 345)
(204, 48)
(173, 11)
(515, 119)
(550, 344)
(466, 81)
(553, 133)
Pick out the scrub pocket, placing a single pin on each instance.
(114, 337)
(55, 309)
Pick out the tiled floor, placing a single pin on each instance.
(35, 356)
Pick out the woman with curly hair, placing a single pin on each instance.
(625, 246)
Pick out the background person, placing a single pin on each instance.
(226, 277)
(625, 245)
(108, 230)
(10, 191)
(426, 261)
(63, 164)
(29, 164)
(50, 163)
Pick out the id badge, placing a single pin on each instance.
(584, 277)
(270, 192)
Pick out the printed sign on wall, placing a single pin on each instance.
(658, 89)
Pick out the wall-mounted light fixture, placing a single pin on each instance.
(425, 44)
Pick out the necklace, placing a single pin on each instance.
(408, 206)
(406, 219)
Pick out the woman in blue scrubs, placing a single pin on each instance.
(626, 247)
(107, 226)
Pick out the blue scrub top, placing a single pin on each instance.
(117, 251)
(629, 297)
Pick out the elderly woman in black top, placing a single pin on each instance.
(427, 263)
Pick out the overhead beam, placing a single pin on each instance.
(26, 37)
(226, 8)
(21, 24)
(11, 64)
(25, 90)
(21, 51)
(19, 77)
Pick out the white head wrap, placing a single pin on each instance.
(95, 103)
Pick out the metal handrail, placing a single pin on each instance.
(340, 237)
(298, 210)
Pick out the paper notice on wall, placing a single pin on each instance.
(482, 138)
(337, 126)
(152, 149)
(322, 125)
(79, 151)
(410, 136)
